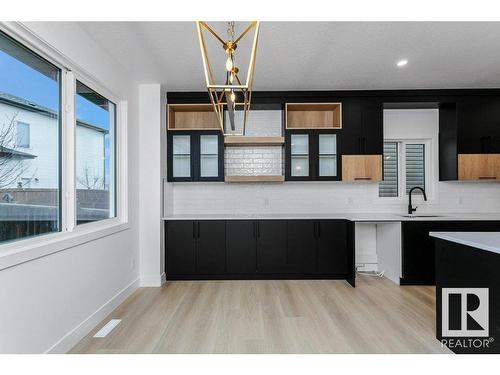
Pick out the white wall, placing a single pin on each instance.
(152, 135)
(45, 303)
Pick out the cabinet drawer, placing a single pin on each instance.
(479, 166)
(362, 168)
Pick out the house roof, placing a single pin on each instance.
(12, 152)
(33, 107)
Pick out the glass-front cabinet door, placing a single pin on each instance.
(299, 155)
(327, 155)
(195, 156)
(311, 155)
(181, 158)
(209, 155)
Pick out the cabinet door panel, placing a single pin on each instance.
(479, 167)
(372, 137)
(271, 246)
(211, 249)
(362, 168)
(301, 248)
(351, 129)
(241, 246)
(332, 247)
(180, 251)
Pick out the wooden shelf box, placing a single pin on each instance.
(192, 117)
(313, 115)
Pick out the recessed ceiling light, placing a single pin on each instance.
(401, 63)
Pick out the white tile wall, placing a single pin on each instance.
(257, 160)
(253, 160)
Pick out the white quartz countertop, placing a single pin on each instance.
(489, 241)
(359, 217)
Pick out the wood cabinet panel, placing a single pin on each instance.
(362, 168)
(479, 167)
(314, 116)
(192, 117)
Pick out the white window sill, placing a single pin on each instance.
(21, 251)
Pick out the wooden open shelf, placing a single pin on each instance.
(254, 178)
(192, 117)
(313, 115)
(232, 140)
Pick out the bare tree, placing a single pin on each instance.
(90, 181)
(11, 165)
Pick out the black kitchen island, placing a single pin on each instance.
(468, 291)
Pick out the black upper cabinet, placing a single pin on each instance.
(271, 246)
(312, 155)
(241, 245)
(448, 136)
(362, 130)
(195, 156)
(211, 247)
(478, 125)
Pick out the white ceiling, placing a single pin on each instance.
(317, 55)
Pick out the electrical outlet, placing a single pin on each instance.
(349, 200)
(460, 200)
(266, 202)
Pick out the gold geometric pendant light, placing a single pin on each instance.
(231, 93)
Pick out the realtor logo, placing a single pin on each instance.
(465, 312)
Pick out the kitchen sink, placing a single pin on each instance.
(418, 215)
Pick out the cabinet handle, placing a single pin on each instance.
(258, 230)
(362, 178)
(254, 230)
(198, 226)
(315, 230)
(194, 229)
(487, 177)
(319, 229)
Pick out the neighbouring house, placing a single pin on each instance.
(35, 140)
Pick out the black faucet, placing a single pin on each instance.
(410, 207)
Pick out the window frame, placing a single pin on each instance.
(28, 248)
(17, 134)
(429, 180)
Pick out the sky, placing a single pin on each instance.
(19, 79)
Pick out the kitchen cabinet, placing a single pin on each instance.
(271, 246)
(362, 168)
(418, 254)
(195, 247)
(195, 156)
(479, 167)
(259, 249)
(311, 155)
(241, 246)
(362, 133)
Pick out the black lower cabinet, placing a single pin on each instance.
(333, 247)
(271, 246)
(418, 249)
(302, 246)
(259, 249)
(211, 247)
(181, 247)
(241, 246)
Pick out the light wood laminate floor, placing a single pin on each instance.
(289, 316)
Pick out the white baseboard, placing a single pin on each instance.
(68, 341)
(153, 280)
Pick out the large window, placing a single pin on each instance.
(404, 168)
(30, 97)
(47, 153)
(95, 155)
